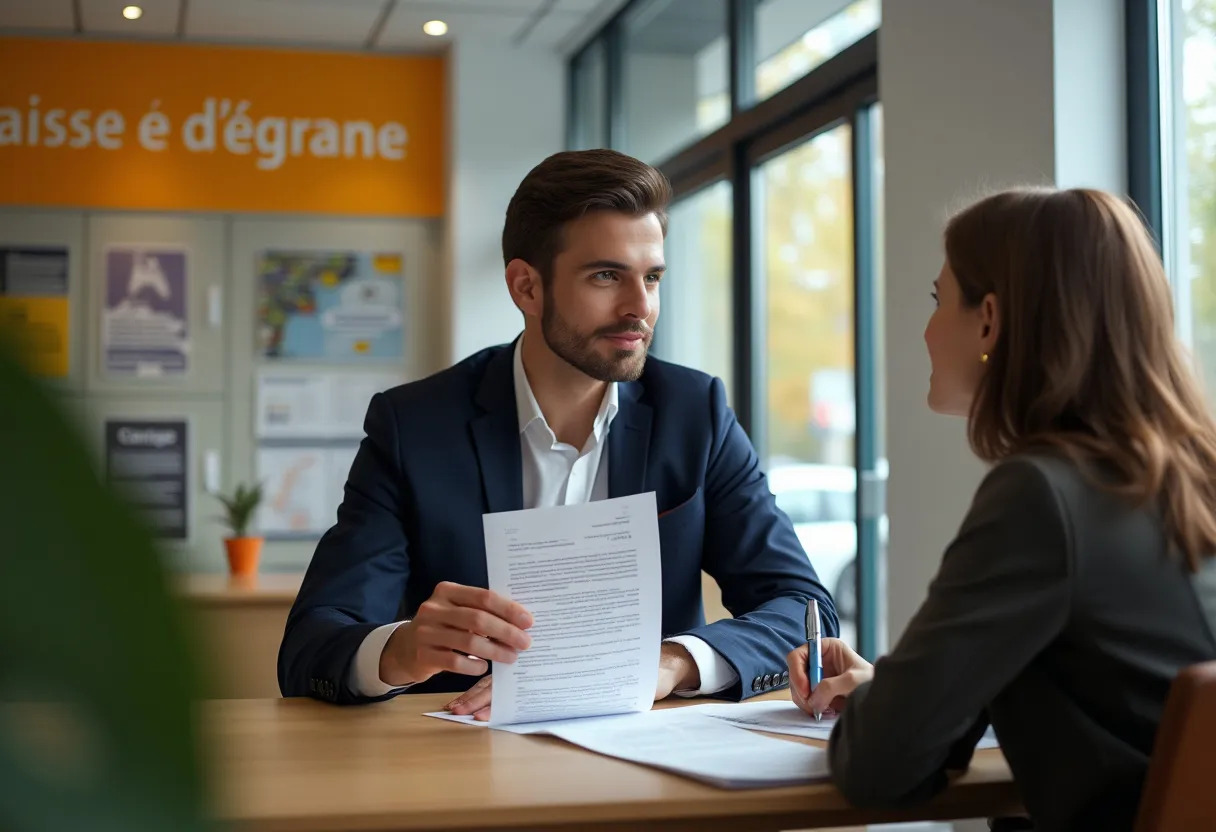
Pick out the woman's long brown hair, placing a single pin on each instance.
(1087, 361)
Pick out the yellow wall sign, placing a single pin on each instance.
(180, 127)
(34, 307)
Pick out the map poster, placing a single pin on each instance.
(34, 306)
(144, 326)
(330, 306)
(303, 488)
(294, 491)
(146, 464)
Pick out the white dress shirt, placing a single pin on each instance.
(554, 474)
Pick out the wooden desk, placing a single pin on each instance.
(304, 765)
(239, 624)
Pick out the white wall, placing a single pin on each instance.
(977, 95)
(506, 113)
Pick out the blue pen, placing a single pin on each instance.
(814, 643)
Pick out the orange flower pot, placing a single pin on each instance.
(243, 555)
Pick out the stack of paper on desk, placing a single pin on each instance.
(786, 718)
(685, 741)
(773, 717)
(682, 741)
(590, 576)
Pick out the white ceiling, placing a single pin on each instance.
(377, 25)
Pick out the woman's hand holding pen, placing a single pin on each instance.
(843, 671)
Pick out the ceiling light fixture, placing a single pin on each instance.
(132, 12)
(435, 28)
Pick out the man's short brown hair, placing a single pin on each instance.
(567, 186)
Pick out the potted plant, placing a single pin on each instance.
(243, 550)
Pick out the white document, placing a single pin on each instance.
(516, 728)
(590, 576)
(686, 742)
(786, 718)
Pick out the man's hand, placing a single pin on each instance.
(458, 629)
(677, 671)
(843, 671)
(475, 700)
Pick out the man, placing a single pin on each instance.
(573, 411)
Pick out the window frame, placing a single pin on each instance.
(1144, 136)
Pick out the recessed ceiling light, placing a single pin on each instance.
(435, 28)
(132, 12)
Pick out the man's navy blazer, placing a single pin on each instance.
(441, 452)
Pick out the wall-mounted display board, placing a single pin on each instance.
(165, 328)
(157, 318)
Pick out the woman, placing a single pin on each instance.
(1082, 579)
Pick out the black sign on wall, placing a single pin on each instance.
(146, 463)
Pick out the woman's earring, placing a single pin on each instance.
(984, 358)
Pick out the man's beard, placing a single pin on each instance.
(578, 351)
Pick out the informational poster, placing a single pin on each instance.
(146, 463)
(292, 406)
(303, 487)
(335, 306)
(321, 406)
(34, 306)
(145, 330)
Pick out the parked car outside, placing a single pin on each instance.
(821, 502)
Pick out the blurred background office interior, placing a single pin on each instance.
(247, 216)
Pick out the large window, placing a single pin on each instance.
(1192, 190)
(1173, 155)
(805, 203)
(805, 210)
(795, 36)
(696, 312)
(675, 70)
(763, 115)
